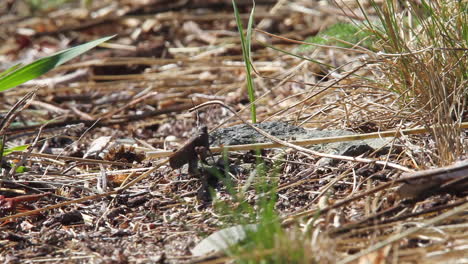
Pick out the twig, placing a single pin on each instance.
(307, 142)
(290, 219)
(132, 103)
(26, 154)
(14, 111)
(429, 182)
(9, 203)
(314, 44)
(301, 149)
(86, 198)
(406, 233)
(55, 157)
(14, 132)
(409, 178)
(360, 224)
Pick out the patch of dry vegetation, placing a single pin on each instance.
(133, 97)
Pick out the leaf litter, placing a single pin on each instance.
(136, 93)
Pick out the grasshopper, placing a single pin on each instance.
(193, 150)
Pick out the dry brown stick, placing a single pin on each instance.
(306, 142)
(290, 219)
(79, 26)
(445, 173)
(397, 218)
(15, 109)
(361, 222)
(86, 198)
(363, 50)
(406, 233)
(50, 207)
(425, 211)
(9, 203)
(123, 120)
(408, 177)
(299, 148)
(51, 156)
(144, 175)
(431, 181)
(172, 6)
(27, 187)
(26, 155)
(111, 61)
(131, 103)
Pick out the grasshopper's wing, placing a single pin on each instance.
(182, 156)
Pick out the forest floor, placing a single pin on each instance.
(116, 113)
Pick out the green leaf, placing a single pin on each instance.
(17, 148)
(249, 30)
(245, 45)
(43, 65)
(343, 31)
(9, 70)
(21, 169)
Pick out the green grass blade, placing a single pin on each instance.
(250, 83)
(17, 148)
(43, 65)
(249, 30)
(308, 59)
(10, 70)
(245, 44)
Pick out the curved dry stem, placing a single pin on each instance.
(302, 149)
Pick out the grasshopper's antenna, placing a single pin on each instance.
(197, 115)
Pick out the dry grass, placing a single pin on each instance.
(412, 77)
(423, 59)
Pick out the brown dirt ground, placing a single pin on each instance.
(167, 57)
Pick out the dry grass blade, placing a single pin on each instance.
(302, 149)
(423, 58)
(21, 104)
(458, 210)
(397, 69)
(89, 161)
(307, 142)
(86, 198)
(445, 173)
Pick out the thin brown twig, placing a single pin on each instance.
(410, 177)
(91, 161)
(26, 153)
(360, 224)
(86, 198)
(290, 219)
(132, 103)
(406, 233)
(312, 141)
(299, 148)
(17, 107)
(15, 132)
(366, 51)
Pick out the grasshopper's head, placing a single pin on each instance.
(204, 129)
